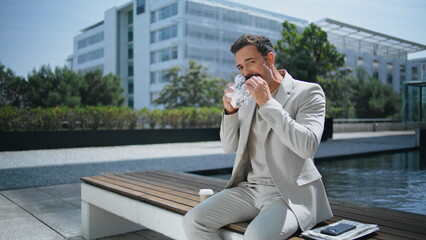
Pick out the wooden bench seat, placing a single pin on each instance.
(119, 203)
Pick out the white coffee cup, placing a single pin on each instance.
(205, 193)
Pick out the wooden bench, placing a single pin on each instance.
(157, 200)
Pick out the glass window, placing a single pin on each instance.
(174, 53)
(140, 6)
(153, 16)
(153, 57)
(130, 34)
(167, 33)
(167, 12)
(130, 88)
(153, 37)
(90, 40)
(165, 55)
(130, 51)
(153, 77)
(96, 54)
(360, 62)
(130, 102)
(130, 17)
(130, 69)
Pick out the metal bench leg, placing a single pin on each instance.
(97, 223)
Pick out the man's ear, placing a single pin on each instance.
(271, 58)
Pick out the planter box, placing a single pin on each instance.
(13, 141)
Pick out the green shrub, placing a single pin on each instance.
(105, 117)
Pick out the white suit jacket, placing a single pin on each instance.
(296, 121)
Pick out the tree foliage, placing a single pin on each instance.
(307, 55)
(12, 88)
(47, 87)
(375, 99)
(195, 88)
(101, 90)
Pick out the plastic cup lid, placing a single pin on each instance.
(206, 192)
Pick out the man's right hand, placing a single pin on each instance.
(229, 109)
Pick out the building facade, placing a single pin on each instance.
(142, 39)
(382, 56)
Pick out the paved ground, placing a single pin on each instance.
(40, 190)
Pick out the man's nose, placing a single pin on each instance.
(247, 72)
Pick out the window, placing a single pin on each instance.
(90, 40)
(140, 6)
(130, 102)
(130, 34)
(130, 69)
(130, 18)
(164, 55)
(153, 16)
(167, 33)
(360, 62)
(153, 37)
(99, 53)
(130, 87)
(153, 77)
(390, 73)
(167, 12)
(130, 51)
(154, 96)
(376, 69)
(153, 57)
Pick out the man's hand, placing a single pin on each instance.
(259, 90)
(229, 109)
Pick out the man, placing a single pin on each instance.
(275, 136)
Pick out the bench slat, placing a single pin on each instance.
(170, 205)
(160, 184)
(178, 182)
(156, 188)
(147, 191)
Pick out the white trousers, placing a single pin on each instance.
(272, 219)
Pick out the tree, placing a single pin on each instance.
(101, 90)
(12, 88)
(340, 91)
(195, 88)
(47, 88)
(307, 55)
(375, 99)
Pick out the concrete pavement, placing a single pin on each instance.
(40, 190)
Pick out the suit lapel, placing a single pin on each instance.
(284, 90)
(247, 113)
(283, 93)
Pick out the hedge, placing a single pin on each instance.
(105, 117)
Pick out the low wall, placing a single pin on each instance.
(375, 127)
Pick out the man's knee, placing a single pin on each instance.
(258, 233)
(189, 220)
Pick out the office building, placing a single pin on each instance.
(142, 39)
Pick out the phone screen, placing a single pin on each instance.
(338, 229)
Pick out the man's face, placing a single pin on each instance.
(251, 63)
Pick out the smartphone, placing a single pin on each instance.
(338, 229)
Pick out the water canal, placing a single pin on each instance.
(392, 180)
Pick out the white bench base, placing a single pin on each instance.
(105, 213)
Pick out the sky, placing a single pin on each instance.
(40, 32)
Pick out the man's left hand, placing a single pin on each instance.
(258, 89)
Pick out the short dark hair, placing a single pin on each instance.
(262, 43)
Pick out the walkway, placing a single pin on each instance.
(40, 190)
